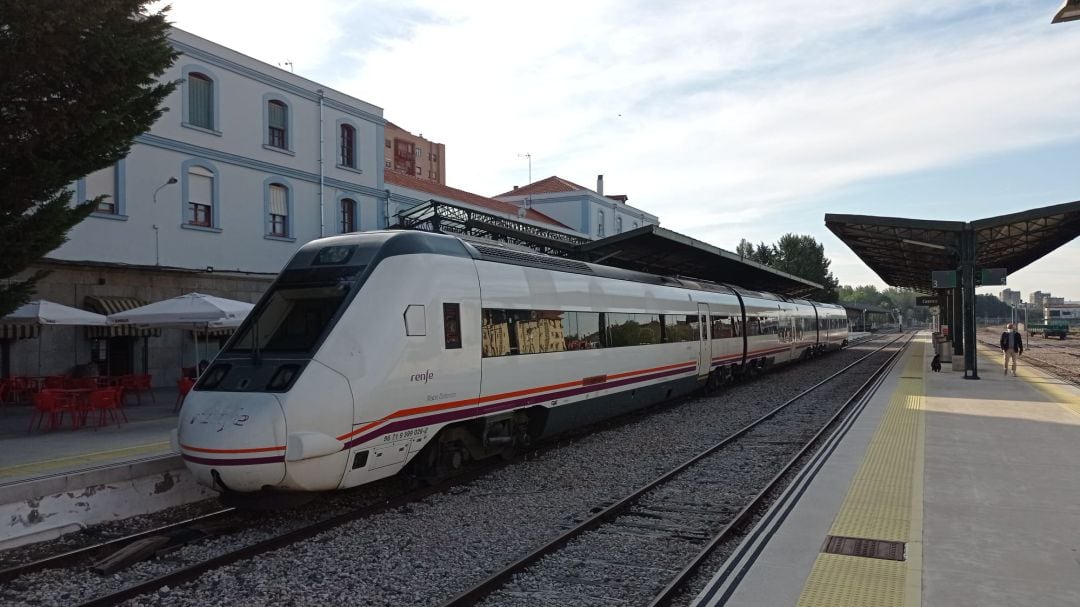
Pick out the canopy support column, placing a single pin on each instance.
(968, 269)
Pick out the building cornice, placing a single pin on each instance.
(183, 147)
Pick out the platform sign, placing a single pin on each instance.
(943, 279)
(991, 276)
(927, 300)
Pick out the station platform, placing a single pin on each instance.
(973, 486)
(58, 481)
(29, 453)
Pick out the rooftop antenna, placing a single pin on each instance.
(286, 63)
(528, 197)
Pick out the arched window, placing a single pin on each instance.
(618, 224)
(348, 146)
(278, 124)
(279, 210)
(348, 215)
(600, 224)
(200, 197)
(200, 100)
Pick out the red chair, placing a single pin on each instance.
(184, 385)
(18, 389)
(53, 404)
(137, 384)
(106, 402)
(82, 383)
(54, 382)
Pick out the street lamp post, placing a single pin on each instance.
(157, 241)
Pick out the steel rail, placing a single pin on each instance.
(862, 394)
(71, 557)
(495, 581)
(1062, 373)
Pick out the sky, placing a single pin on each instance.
(728, 119)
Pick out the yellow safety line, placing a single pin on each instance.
(1057, 390)
(62, 462)
(884, 502)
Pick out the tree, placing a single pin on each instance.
(78, 83)
(763, 254)
(802, 256)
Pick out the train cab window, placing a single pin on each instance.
(452, 325)
(290, 319)
(415, 321)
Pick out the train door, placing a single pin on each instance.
(705, 344)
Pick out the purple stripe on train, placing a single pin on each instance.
(246, 461)
(469, 412)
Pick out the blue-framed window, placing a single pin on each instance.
(600, 224)
(108, 182)
(278, 209)
(618, 224)
(347, 145)
(199, 210)
(278, 135)
(200, 99)
(200, 195)
(347, 215)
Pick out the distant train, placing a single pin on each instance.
(378, 350)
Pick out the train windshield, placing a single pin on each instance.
(291, 319)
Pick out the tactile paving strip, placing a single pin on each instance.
(880, 505)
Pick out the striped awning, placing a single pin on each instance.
(106, 305)
(220, 332)
(15, 330)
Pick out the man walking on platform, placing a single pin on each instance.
(1012, 345)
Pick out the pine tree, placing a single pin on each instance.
(78, 83)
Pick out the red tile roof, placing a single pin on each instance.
(436, 189)
(551, 185)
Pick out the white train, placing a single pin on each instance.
(379, 350)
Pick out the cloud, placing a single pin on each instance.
(723, 118)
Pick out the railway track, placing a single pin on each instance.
(1031, 356)
(175, 533)
(666, 520)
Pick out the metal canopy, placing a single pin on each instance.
(649, 248)
(656, 250)
(903, 252)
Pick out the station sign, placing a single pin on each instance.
(943, 279)
(927, 300)
(990, 276)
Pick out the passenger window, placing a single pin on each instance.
(452, 325)
(415, 321)
(679, 328)
(582, 330)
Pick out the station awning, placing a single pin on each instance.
(20, 330)
(904, 252)
(649, 248)
(657, 250)
(107, 305)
